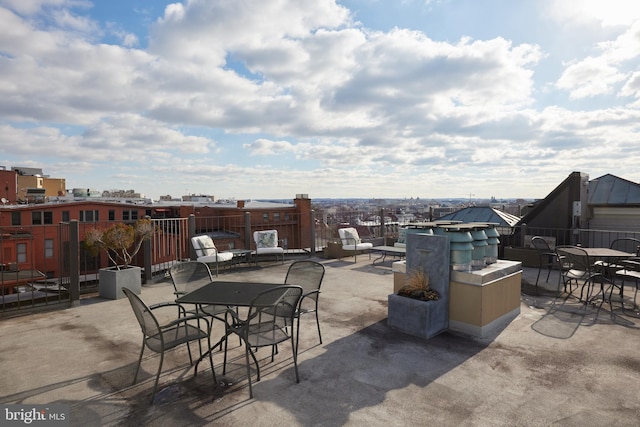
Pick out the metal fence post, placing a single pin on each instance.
(147, 259)
(382, 233)
(74, 261)
(247, 230)
(192, 233)
(312, 231)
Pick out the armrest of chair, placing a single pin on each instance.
(185, 319)
(349, 240)
(234, 315)
(181, 309)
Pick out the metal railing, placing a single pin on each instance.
(520, 237)
(47, 264)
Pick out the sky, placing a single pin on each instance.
(353, 98)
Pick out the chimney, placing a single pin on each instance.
(240, 204)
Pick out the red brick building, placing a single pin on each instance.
(32, 236)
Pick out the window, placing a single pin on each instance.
(15, 218)
(265, 216)
(276, 216)
(130, 215)
(21, 253)
(112, 215)
(36, 218)
(39, 217)
(89, 216)
(65, 216)
(48, 248)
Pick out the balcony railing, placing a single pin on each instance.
(47, 264)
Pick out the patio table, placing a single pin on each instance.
(239, 255)
(388, 250)
(602, 253)
(239, 294)
(233, 294)
(602, 256)
(601, 260)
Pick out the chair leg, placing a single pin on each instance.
(224, 362)
(297, 331)
(213, 371)
(294, 351)
(246, 355)
(135, 377)
(318, 324)
(253, 356)
(189, 351)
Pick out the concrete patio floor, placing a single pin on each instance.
(558, 363)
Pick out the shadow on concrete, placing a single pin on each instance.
(565, 313)
(351, 373)
(355, 372)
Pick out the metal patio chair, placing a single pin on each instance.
(307, 274)
(160, 338)
(548, 258)
(627, 269)
(581, 271)
(263, 327)
(351, 242)
(187, 276)
(267, 243)
(207, 252)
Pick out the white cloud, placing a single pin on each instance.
(590, 77)
(265, 147)
(601, 74)
(605, 13)
(341, 107)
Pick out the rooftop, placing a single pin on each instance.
(558, 362)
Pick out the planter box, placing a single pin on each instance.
(527, 256)
(112, 280)
(334, 250)
(423, 319)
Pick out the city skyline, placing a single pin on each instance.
(348, 99)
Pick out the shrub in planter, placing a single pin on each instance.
(417, 287)
(120, 241)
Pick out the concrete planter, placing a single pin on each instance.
(423, 319)
(112, 280)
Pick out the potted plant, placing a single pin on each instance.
(416, 309)
(121, 242)
(417, 287)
